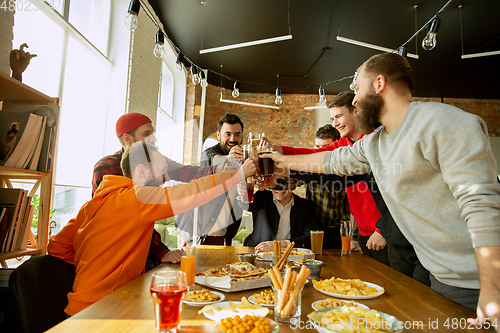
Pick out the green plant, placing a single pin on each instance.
(36, 202)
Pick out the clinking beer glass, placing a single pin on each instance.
(248, 152)
(266, 165)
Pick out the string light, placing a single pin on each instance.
(322, 97)
(430, 40)
(159, 50)
(203, 82)
(403, 51)
(236, 89)
(130, 21)
(278, 99)
(179, 61)
(194, 74)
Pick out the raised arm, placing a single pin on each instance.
(186, 173)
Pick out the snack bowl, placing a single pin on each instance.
(247, 257)
(314, 266)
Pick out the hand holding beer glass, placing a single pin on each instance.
(167, 290)
(346, 229)
(247, 197)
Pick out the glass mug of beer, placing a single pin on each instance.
(254, 138)
(266, 165)
(248, 152)
(167, 290)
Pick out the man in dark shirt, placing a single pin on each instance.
(132, 127)
(217, 218)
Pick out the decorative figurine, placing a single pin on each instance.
(19, 60)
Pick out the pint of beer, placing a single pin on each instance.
(317, 241)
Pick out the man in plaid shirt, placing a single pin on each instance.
(132, 127)
(330, 203)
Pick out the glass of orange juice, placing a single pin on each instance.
(188, 265)
(346, 230)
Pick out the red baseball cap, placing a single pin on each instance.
(130, 121)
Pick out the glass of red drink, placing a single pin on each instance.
(167, 290)
(248, 196)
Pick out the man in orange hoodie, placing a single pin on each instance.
(109, 239)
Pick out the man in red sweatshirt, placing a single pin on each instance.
(108, 241)
(361, 203)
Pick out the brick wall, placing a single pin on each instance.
(191, 122)
(6, 36)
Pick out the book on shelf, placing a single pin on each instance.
(27, 154)
(33, 164)
(14, 227)
(27, 136)
(10, 198)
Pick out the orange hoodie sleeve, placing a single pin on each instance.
(181, 198)
(61, 244)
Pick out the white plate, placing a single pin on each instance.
(396, 323)
(212, 316)
(274, 326)
(252, 300)
(355, 303)
(222, 297)
(351, 296)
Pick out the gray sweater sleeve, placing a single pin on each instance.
(347, 161)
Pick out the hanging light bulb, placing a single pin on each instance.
(430, 41)
(159, 50)
(322, 97)
(194, 74)
(403, 51)
(203, 82)
(236, 89)
(351, 86)
(130, 21)
(278, 99)
(178, 62)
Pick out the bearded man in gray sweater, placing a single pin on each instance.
(437, 174)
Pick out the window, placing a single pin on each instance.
(68, 67)
(165, 97)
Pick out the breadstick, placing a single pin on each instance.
(277, 273)
(282, 300)
(301, 280)
(285, 255)
(277, 251)
(275, 281)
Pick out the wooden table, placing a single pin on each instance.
(130, 308)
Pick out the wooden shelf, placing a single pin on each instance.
(21, 253)
(14, 91)
(23, 173)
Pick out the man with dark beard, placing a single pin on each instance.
(230, 136)
(218, 222)
(441, 190)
